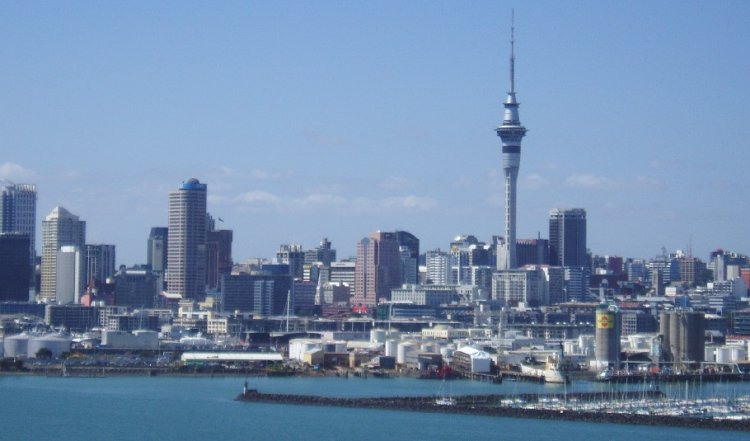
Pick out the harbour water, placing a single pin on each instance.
(200, 408)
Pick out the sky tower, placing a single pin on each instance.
(511, 132)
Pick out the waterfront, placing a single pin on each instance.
(193, 408)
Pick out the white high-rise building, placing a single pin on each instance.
(70, 275)
(18, 212)
(186, 250)
(511, 132)
(59, 228)
(438, 267)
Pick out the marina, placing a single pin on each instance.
(648, 407)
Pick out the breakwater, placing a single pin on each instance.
(514, 406)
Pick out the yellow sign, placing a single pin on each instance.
(605, 321)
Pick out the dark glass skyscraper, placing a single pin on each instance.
(567, 237)
(18, 212)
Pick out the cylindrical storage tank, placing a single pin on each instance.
(377, 335)
(390, 348)
(723, 355)
(694, 336)
(56, 344)
(664, 330)
(16, 345)
(403, 351)
(675, 337)
(607, 348)
(709, 354)
(738, 354)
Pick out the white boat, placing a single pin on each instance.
(548, 370)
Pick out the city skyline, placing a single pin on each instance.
(309, 121)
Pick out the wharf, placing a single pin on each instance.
(646, 377)
(514, 406)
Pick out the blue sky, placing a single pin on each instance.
(337, 118)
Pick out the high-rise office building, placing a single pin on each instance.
(186, 249)
(15, 271)
(156, 249)
(218, 257)
(378, 268)
(70, 275)
(294, 256)
(438, 265)
(567, 237)
(409, 257)
(511, 132)
(99, 262)
(60, 228)
(18, 213)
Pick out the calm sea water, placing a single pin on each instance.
(201, 408)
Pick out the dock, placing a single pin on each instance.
(578, 406)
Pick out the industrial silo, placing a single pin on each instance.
(664, 323)
(391, 347)
(57, 344)
(693, 336)
(403, 352)
(607, 350)
(377, 335)
(16, 345)
(675, 336)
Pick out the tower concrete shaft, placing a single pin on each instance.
(511, 132)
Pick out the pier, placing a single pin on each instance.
(630, 408)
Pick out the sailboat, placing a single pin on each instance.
(445, 398)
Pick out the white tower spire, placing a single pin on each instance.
(511, 132)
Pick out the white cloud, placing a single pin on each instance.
(591, 181)
(464, 182)
(410, 202)
(319, 200)
(535, 181)
(13, 172)
(396, 183)
(259, 197)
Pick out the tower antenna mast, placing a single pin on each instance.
(512, 51)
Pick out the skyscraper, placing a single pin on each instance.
(156, 249)
(99, 262)
(14, 267)
(186, 250)
(60, 228)
(567, 237)
(378, 268)
(511, 132)
(18, 213)
(218, 257)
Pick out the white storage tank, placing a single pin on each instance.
(390, 348)
(56, 343)
(16, 345)
(738, 354)
(723, 355)
(403, 351)
(377, 335)
(709, 354)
